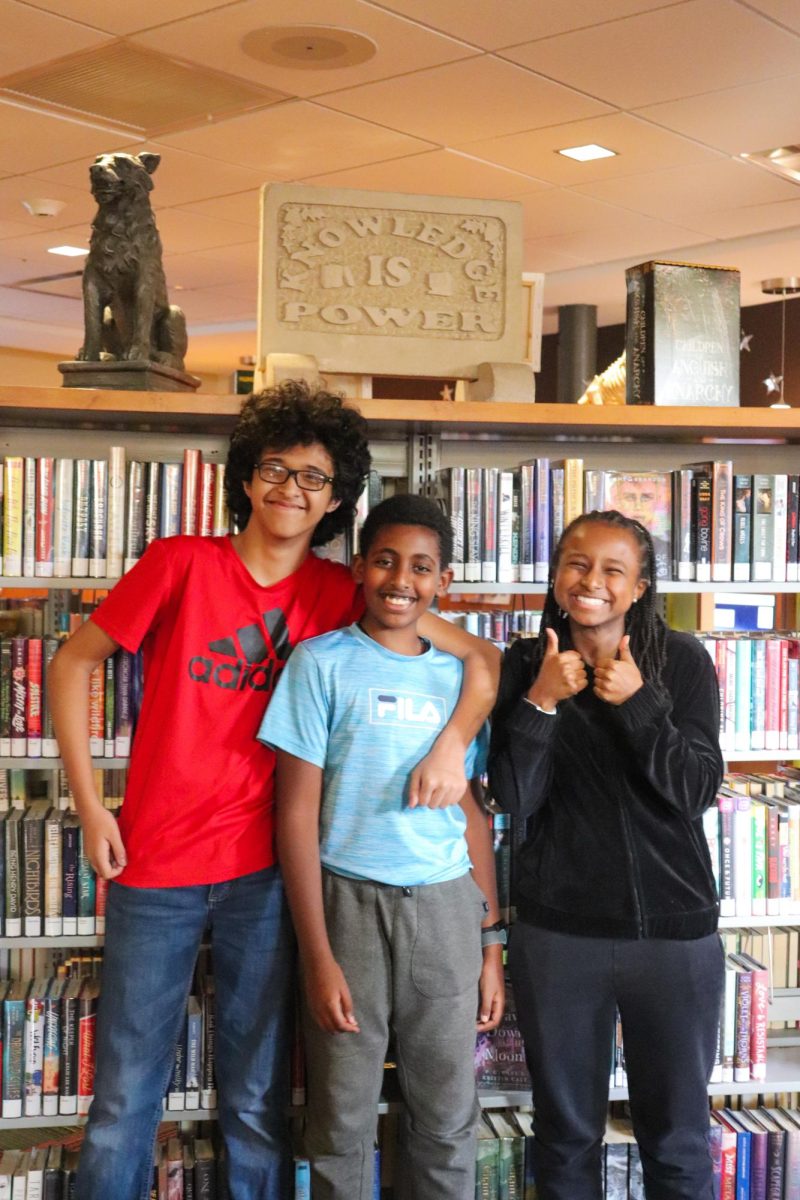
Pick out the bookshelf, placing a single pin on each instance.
(415, 437)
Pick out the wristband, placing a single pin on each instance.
(548, 712)
(496, 934)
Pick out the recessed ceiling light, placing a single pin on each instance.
(308, 47)
(783, 160)
(67, 251)
(587, 153)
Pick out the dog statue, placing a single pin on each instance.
(127, 316)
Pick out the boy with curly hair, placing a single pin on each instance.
(217, 619)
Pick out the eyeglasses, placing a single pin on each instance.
(309, 481)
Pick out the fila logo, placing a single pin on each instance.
(406, 708)
(259, 653)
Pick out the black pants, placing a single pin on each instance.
(669, 995)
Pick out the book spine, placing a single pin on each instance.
(81, 507)
(758, 814)
(53, 874)
(722, 539)
(86, 891)
(222, 519)
(109, 711)
(527, 517)
(45, 517)
(542, 521)
(29, 519)
(453, 495)
(191, 471)
(33, 853)
(505, 523)
(33, 699)
(87, 1020)
(68, 1083)
(742, 518)
(115, 544)
(744, 1001)
(792, 529)
(135, 515)
(123, 710)
(194, 1052)
(206, 482)
(473, 521)
(34, 1054)
(635, 337)
(727, 902)
(683, 536)
(208, 1088)
(772, 691)
(98, 527)
(19, 696)
(171, 492)
(69, 857)
(152, 501)
(489, 483)
(702, 502)
(62, 525)
(13, 1056)
(5, 697)
(96, 686)
(758, 1023)
(761, 554)
(13, 493)
(780, 497)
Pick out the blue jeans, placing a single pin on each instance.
(153, 935)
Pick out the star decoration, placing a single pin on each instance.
(746, 339)
(446, 393)
(773, 384)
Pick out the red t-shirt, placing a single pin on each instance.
(198, 806)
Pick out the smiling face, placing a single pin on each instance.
(401, 575)
(285, 510)
(598, 578)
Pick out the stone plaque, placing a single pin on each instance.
(384, 283)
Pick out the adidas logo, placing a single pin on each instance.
(258, 654)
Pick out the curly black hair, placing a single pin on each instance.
(404, 509)
(294, 414)
(642, 621)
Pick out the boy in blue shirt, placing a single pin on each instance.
(388, 898)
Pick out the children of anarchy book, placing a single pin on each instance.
(645, 496)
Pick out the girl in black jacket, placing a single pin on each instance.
(605, 736)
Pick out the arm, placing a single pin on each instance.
(674, 735)
(523, 739)
(68, 697)
(481, 855)
(298, 798)
(439, 779)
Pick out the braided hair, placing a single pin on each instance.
(646, 628)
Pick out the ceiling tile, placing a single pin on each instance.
(559, 211)
(215, 304)
(537, 255)
(124, 18)
(214, 38)
(746, 48)
(31, 37)
(686, 195)
(78, 206)
(756, 218)
(513, 21)
(756, 116)
(30, 141)
(464, 101)
(225, 266)
(437, 173)
(289, 141)
(640, 146)
(183, 231)
(636, 238)
(244, 207)
(181, 178)
(787, 12)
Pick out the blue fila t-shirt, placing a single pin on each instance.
(367, 716)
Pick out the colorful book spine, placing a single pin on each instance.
(62, 524)
(98, 532)
(19, 696)
(135, 515)
(33, 699)
(115, 535)
(191, 471)
(81, 509)
(13, 496)
(45, 517)
(29, 519)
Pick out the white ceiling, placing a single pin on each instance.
(462, 97)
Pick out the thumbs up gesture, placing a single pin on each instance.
(560, 675)
(616, 679)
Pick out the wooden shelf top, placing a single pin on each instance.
(92, 407)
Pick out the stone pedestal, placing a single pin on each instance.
(136, 376)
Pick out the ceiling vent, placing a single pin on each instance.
(137, 91)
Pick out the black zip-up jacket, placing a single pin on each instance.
(615, 795)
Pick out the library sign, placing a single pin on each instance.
(384, 283)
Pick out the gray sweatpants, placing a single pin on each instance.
(412, 959)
